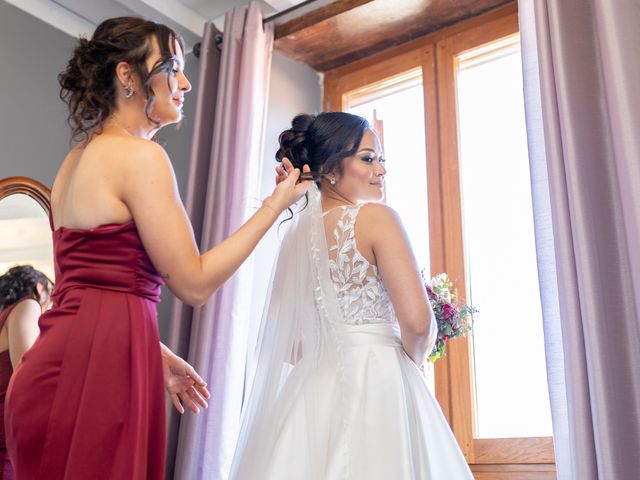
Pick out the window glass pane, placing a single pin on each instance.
(509, 367)
(397, 105)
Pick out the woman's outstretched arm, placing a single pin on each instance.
(149, 190)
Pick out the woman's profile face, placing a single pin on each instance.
(362, 178)
(169, 88)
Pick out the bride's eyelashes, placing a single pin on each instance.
(370, 159)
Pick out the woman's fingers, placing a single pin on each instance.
(188, 402)
(288, 166)
(202, 390)
(281, 175)
(176, 403)
(195, 395)
(194, 375)
(304, 185)
(294, 175)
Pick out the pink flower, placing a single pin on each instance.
(430, 292)
(448, 311)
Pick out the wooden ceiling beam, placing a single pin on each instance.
(316, 16)
(342, 32)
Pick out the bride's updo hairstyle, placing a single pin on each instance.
(322, 141)
(89, 85)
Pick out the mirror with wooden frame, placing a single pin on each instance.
(25, 231)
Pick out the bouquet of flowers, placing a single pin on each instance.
(453, 319)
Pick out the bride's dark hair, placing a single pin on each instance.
(322, 141)
(88, 82)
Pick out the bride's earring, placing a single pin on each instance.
(332, 180)
(128, 91)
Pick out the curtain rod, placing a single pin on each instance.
(275, 16)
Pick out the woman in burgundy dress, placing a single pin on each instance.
(24, 295)
(86, 402)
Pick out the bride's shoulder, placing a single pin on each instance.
(378, 212)
(376, 219)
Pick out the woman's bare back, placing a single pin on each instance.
(85, 192)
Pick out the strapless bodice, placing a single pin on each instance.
(109, 257)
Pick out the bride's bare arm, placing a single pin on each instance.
(150, 192)
(382, 230)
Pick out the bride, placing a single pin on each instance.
(337, 392)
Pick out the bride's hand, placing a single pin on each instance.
(184, 385)
(288, 190)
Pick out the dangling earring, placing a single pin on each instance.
(128, 91)
(332, 180)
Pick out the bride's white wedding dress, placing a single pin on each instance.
(349, 403)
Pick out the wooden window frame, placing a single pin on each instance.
(436, 53)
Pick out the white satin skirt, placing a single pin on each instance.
(366, 414)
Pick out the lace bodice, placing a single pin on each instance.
(361, 294)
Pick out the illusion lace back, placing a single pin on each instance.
(361, 293)
(336, 397)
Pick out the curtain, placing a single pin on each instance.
(223, 181)
(581, 65)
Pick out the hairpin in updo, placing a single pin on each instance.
(311, 176)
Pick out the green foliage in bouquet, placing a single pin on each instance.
(453, 319)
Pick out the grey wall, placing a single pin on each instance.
(34, 138)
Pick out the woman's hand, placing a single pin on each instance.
(184, 385)
(288, 190)
(281, 174)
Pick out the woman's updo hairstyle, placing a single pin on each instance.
(88, 83)
(20, 282)
(322, 141)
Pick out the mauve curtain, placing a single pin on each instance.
(581, 62)
(196, 193)
(223, 186)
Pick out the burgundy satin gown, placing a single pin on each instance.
(87, 401)
(6, 370)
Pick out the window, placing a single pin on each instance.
(511, 397)
(476, 185)
(395, 110)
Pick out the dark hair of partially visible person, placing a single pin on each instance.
(22, 281)
(88, 84)
(322, 141)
